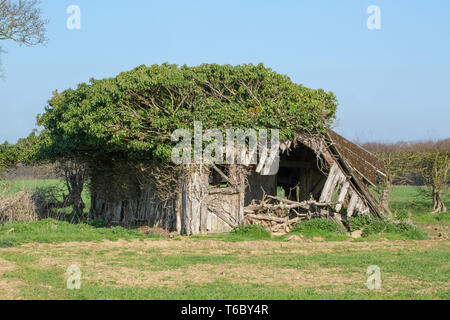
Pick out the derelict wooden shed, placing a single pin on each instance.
(321, 176)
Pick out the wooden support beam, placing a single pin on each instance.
(222, 174)
(334, 177)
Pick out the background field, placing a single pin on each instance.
(127, 264)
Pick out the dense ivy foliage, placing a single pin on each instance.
(133, 115)
(7, 155)
(23, 151)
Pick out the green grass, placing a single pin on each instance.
(410, 270)
(407, 273)
(412, 201)
(406, 202)
(220, 290)
(426, 219)
(323, 228)
(54, 231)
(242, 233)
(372, 229)
(387, 228)
(11, 187)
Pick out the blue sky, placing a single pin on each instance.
(392, 84)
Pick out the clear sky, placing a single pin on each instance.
(392, 84)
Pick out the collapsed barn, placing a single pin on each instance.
(120, 129)
(319, 176)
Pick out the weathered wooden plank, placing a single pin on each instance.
(361, 207)
(334, 177)
(240, 213)
(198, 186)
(342, 195)
(204, 218)
(224, 217)
(374, 206)
(330, 183)
(186, 210)
(179, 209)
(354, 198)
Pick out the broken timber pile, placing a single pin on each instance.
(343, 193)
(280, 215)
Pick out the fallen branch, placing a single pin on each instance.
(284, 214)
(301, 204)
(266, 217)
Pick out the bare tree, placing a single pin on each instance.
(21, 21)
(434, 167)
(395, 164)
(75, 176)
(390, 163)
(424, 162)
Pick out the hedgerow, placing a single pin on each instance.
(318, 226)
(372, 226)
(251, 231)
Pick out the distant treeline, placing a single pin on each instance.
(378, 147)
(425, 163)
(401, 158)
(30, 172)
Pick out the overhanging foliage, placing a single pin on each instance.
(133, 115)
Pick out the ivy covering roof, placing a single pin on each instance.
(133, 115)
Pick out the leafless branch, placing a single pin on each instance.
(21, 21)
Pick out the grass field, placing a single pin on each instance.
(119, 263)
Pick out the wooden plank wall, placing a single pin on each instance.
(339, 186)
(207, 210)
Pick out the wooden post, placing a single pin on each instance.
(178, 208)
(241, 189)
(186, 208)
(195, 191)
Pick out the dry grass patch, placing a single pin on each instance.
(8, 288)
(20, 207)
(205, 273)
(111, 249)
(111, 264)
